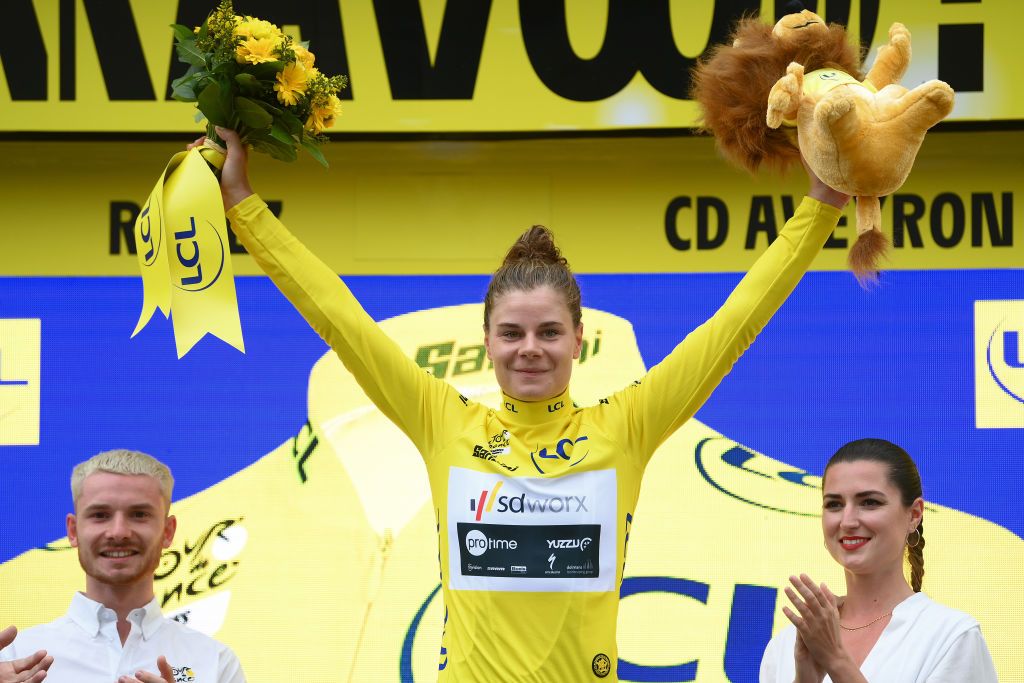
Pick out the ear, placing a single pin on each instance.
(916, 512)
(487, 343)
(579, 342)
(72, 525)
(170, 526)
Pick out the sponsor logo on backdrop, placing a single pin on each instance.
(756, 480)
(999, 364)
(20, 360)
(192, 576)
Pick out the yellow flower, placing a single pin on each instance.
(250, 27)
(291, 82)
(323, 116)
(304, 56)
(255, 51)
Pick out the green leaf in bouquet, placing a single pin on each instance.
(281, 134)
(184, 88)
(184, 92)
(291, 122)
(311, 146)
(183, 33)
(269, 108)
(252, 114)
(190, 54)
(249, 84)
(266, 71)
(264, 142)
(211, 102)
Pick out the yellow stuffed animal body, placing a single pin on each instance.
(859, 134)
(860, 137)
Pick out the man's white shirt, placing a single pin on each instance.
(86, 647)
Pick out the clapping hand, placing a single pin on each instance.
(31, 669)
(166, 674)
(818, 643)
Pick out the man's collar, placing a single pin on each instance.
(91, 616)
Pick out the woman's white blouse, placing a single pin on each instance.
(924, 642)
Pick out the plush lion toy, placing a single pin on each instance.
(774, 93)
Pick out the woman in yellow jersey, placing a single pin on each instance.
(534, 500)
(884, 629)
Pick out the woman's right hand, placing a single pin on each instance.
(234, 175)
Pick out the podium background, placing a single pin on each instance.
(659, 228)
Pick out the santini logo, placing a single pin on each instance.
(490, 501)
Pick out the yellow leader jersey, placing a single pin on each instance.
(533, 501)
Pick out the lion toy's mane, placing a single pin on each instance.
(732, 85)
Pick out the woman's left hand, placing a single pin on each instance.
(816, 620)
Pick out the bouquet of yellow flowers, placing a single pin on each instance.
(245, 74)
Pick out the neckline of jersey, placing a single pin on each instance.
(535, 412)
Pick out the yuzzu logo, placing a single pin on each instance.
(524, 504)
(199, 255)
(999, 364)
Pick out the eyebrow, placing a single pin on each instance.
(548, 323)
(861, 494)
(107, 506)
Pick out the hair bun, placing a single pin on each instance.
(536, 244)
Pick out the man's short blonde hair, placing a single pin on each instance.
(122, 461)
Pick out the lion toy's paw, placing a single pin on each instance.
(784, 98)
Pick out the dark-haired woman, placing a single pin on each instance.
(534, 500)
(884, 630)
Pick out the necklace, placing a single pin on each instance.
(873, 621)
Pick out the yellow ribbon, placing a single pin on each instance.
(184, 255)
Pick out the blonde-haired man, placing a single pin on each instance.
(115, 630)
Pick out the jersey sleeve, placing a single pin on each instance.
(675, 388)
(411, 398)
(967, 659)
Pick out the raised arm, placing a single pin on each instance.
(675, 388)
(402, 390)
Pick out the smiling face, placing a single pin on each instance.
(532, 341)
(120, 528)
(795, 27)
(864, 520)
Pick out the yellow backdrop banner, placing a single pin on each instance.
(437, 66)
